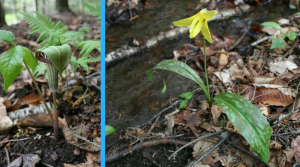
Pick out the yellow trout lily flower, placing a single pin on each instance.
(198, 23)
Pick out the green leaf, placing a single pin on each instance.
(271, 24)
(95, 10)
(248, 120)
(181, 69)
(87, 47)
(73, 61)
(284, 35)
(165, 87)
(109, 129)
(29, 59)
(59, 56)
(296, 14)
(293, 7)
(7, 36)
(277, 43)
(11, 64)
(292, 36)
(83, 63)
(186, 98)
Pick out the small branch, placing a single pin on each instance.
(159, 113)
(7, 156)
(209, 151)
(282, 116)
(287, 133)
(83, 138)
(199, 138)
(244, 150)
(147, 144)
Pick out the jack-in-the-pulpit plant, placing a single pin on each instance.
(55, 53)
(248, 120)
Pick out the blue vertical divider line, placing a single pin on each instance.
(102, 83)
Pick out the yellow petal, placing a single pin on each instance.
(197, 28)
(203, 11)
(206, 32)
(185, 22)
(195, 21)
(209, 15)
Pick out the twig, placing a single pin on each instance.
(282, 116)
(244, 150)
(136, 146)
(159, 113)
(291, 48)
(259, 41)
(47, 165)
(18, 139)
(83, 138)
(287, 133)
(129, 6)
(209, 151)
(147, 144)
(199, 138)
(239, 40)
(7, 156)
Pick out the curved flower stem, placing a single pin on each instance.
(205, 71)
(55, 127)
(39, 91)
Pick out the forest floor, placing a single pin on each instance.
(30, 140)
(243, 64)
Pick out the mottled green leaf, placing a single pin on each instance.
(109, 129)
(186, 98)
(271, 24)
(7, 36)
(248, 120)
(10, 65)
(179, 68)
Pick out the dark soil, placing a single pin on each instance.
(46, 147)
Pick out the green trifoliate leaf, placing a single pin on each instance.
(248, 120)
(7, 36)
(277, 43)
(29, 59)
(164, 88)
(271, 24)
(179, 68)
(109, 129)
(10, 65)
(186, 98)
(59, 56)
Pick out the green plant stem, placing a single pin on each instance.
(67, 89)
(90, 93)
(205, 71)
(39, 91)
(55, 127)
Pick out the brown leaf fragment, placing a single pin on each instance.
(275, 145)
(25, 160)
(230, 127)
(270, 96)
(71, 139)
(202, 146)
(5, 124)
(296, 145)
(216, 112)
(4, 141)
(38, 120)
(31, 99)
